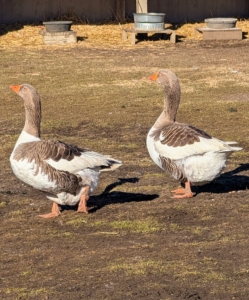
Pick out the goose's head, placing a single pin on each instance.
(166, 78)
(26, 91)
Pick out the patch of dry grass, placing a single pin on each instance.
(95, 35)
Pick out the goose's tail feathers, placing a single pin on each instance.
(231, 143)
(236, 148)
(112, 164)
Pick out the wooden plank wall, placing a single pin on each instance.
(177, 11)
(43, 10)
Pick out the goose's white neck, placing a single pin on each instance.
(25, 137)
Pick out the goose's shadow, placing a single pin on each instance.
(227, 182)
(108, 197)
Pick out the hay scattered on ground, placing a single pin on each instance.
(96, 35)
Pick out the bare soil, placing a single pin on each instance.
(136, 242)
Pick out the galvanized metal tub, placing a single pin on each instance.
(149, 17)
(57, 26)
(221, 23)
(149, 26)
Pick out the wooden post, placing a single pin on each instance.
(120, 10)
(141, 6)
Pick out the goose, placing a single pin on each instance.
(66, 173)
(188, 154)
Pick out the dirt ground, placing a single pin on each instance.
(136, 242)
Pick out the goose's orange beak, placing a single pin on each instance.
(15, 88)
(153, 77)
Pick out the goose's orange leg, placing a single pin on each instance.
(178, 191)
(183, 192)
(83, 199)
(54, 213)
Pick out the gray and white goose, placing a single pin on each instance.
(189, 154)
(66, 173)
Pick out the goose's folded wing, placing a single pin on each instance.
(53, 180)
(70, 158)
(178, 141)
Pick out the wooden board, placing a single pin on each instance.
(220, 34)
(134, 31)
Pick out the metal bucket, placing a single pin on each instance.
(57, 26)
(220, 23)
(149, 17)
(149, 26)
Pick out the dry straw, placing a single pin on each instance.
(107, 35)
